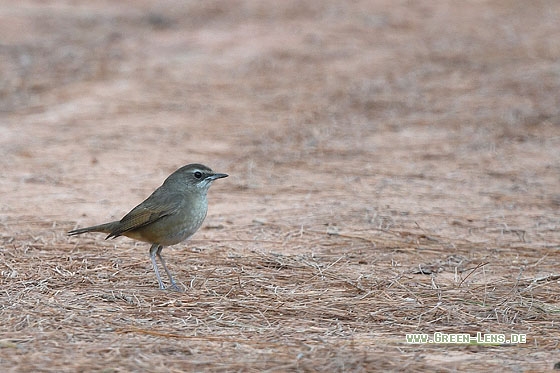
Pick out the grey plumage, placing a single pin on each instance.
(171, 214)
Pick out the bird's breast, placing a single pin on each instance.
(177, 226)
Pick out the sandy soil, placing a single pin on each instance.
(394, 168)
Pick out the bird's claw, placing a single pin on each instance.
(174, 287)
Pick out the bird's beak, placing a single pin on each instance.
(216, 176)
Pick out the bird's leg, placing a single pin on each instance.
(173, 284)
(154, 250)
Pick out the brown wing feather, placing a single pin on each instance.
(152, 209)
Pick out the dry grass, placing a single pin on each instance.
(394, 169)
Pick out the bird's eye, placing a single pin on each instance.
(198, 174)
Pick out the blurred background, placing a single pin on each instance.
(455, 102)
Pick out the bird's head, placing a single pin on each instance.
(194, 176)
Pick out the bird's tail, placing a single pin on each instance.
(103, 228)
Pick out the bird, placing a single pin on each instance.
(170, 215)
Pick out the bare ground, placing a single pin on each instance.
(394, 168)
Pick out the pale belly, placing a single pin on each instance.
(172, 229)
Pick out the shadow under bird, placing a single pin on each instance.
(173, 213)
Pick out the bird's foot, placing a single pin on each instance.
(174, 287)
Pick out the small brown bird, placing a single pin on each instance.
(173, 213)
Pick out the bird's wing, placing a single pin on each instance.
(152, 209)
